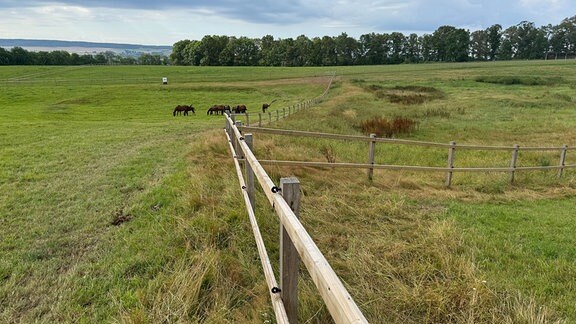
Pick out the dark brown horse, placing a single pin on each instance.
(240, 109)
(218, 109)
(267, 105)
(183, 109)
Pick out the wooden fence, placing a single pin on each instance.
(262, 118)
(451, 148)
(296, 243)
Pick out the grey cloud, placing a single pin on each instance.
(261, 11)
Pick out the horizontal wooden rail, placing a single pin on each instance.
(337, 299)
(408, 167)
(392, 140)
(511, 148)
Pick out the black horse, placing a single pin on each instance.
(183, 109)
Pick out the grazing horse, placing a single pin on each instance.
(183, 109)
(266, 106)
(218, 109)
(240, 109)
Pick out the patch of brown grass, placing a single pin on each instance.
(383, 127)
(407, 95)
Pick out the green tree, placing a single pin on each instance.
(372, 48)
(494, 34)
(128, 61)
(569, 25)
(451, 44)
(413, 49)
(240, 52)
(151, 59)
(287, 52)
(428, 51)
(192, 53)
(100, 59)
(210, 48)
(21, 56)
(479, 46)
(304, 51)
(5, 57)
(268, 53)
(563, 38)
(59, 58)
(346, 49)
(524, 41)
(41, 58)
(179, 53)
(328, 51)
(397, 46)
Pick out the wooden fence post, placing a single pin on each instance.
(228, 130)
(277, 115)
(451, 152)
(235, 143)
(513, 162)
(283, 112)
(250, 188)
(371, 154)
(269, 117)
(289, 259)
(247, 119)
(562, 160)
(259, 119)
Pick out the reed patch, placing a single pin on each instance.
(407, 95)
(526, 80)
(383, 127)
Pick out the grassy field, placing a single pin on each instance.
(113, 210)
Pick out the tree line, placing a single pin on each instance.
(446, 44)
(21, 56)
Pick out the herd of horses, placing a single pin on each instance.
(217, 109)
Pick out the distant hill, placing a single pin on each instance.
(85, 47)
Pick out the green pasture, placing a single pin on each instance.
(113, 210)
(85, 149)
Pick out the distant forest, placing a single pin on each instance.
(20, 56)
(447, 44)
(523, 41)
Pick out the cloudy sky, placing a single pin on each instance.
(164, 22)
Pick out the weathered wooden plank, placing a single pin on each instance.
(451, 152)
(392, 140)
(513, 162)
(408, 168)
(562, 160)
(289, 259)
(250, 187)
(371, 154)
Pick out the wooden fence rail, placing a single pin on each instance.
(337, 299)
(452, 147)
(276, 131)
